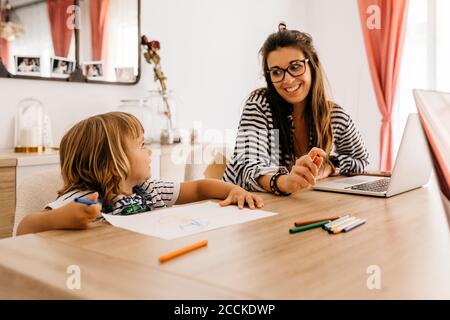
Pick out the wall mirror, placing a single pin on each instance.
(93, 41)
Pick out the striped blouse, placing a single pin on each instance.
(257, 151)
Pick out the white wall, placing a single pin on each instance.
(209, 52)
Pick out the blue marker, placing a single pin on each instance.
(86, 201)
(89, 202)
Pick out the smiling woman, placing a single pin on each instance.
(290, 133)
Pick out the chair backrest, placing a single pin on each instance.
(207, 161)
(34, 192)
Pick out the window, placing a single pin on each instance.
(426, 58)
(442, 46)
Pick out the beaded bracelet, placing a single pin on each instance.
(273, 182)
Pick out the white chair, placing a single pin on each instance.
(35, 192)
(207, 161)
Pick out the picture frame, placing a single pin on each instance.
(61, 67)
(27, 65)
(125, 74)
(93, 70)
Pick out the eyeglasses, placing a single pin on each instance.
(295, 69)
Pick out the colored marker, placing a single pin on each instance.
(342, 223)
(346, 224)
(90, 202)
(85, 201)
(308, 227)
(329, 225)
(303, 223)
(179, 252)
(355, 225)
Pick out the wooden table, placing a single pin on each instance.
(7, 196)
(405, 236)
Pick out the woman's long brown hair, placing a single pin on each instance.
(318, 107)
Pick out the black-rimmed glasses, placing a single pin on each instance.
(295, 69)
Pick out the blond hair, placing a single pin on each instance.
(93, 154)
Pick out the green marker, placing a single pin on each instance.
(308, 226)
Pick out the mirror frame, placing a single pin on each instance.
(77, 75)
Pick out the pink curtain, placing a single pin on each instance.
(61, 34)
(4, 54)
(99, 15)
(384, 48)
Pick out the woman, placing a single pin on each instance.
(290, 134)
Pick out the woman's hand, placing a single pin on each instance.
(304, 172)
(77, 215)
(326, 171)
(240, 196)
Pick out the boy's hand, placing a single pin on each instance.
(78, 215)
(240, 196)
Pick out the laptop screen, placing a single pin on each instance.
(434, 112)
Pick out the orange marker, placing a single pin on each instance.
(184, 250)
(338, 229)
(303, 223)
(316, 157)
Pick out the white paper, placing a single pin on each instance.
(181, 221)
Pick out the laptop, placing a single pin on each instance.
(412, 168)
(434, 112)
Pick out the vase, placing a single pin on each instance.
(163, 107)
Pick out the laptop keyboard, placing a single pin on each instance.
(374, 186)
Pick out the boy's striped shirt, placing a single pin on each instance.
(151, 195)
